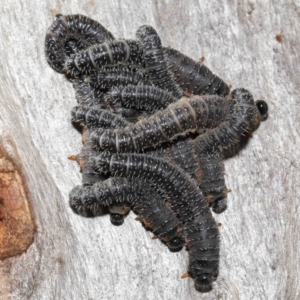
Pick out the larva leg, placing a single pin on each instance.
(78, 27)
(155, 64)
(186, 200)
(181, 117)
(116, 192)
(194, 77)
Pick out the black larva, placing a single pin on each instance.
(122, 192)
(95, 117)
(110, 53)
(73, 33)
(163, 218)
(71, 28)
(197, 234)
(142, 97)
(244, 117)
(88, 95)
(154, 61)
(108, 78)
(181, 117)
(186, 200)
(194, 77)
(213, 184)
(211, 181)
(207, 169)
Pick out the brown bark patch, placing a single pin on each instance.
(17, 226)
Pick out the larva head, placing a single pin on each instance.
(204, 273)
(219, 205)
(262, 107)
(175, 244)
(116, 219)
(81, 202)
(203, 283)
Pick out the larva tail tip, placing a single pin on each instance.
(116, 219)
(203, 283)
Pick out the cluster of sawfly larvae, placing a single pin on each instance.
(156, 125)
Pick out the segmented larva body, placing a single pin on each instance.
(206, 169)
(95, 117)
(120, 191)
(194, 77)
(211, 182)
(181, 117)
(142, 97)
(243, 118)
(187, 202)
(155, 64)
(88, 95)
(110, 53)
(108, 78)
(76, 27)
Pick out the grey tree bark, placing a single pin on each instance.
(251, 44)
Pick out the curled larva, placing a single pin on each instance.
(155, 64)
(71, 28)
(185, 200)
(73, 46)
(110, 53)
(142, 97)
(179, 118)
(122, 192)
(194, 77)
(244, 118)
